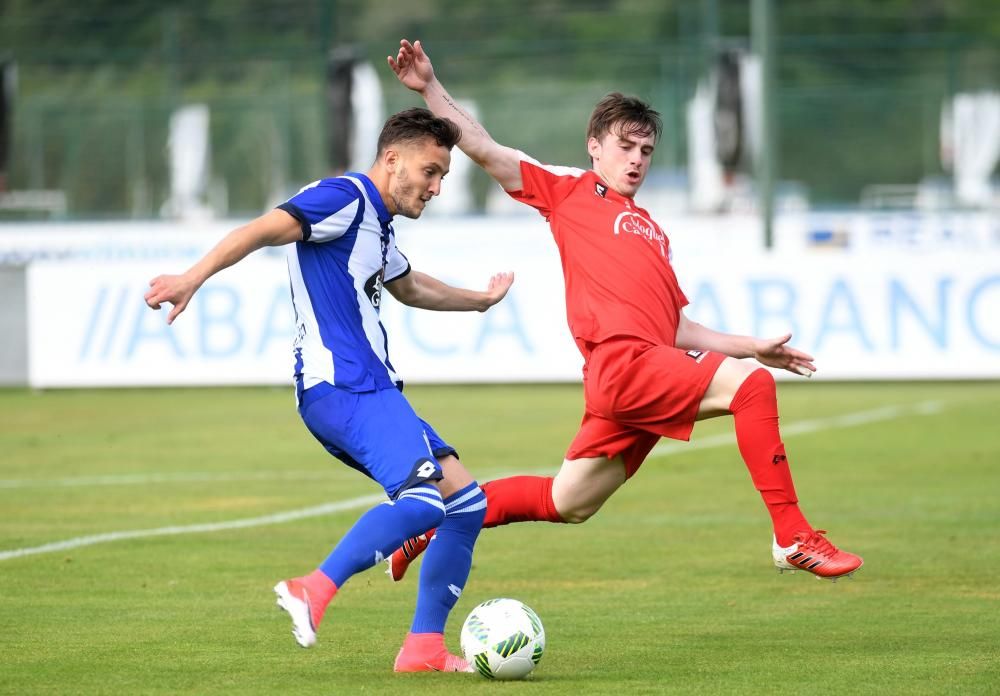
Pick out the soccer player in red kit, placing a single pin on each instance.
(649, 371)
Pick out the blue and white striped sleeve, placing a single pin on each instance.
(325, 209)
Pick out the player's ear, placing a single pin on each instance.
(390, 159)
(593, 147)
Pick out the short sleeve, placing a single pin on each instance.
(544, 186)
(325, 209)
(396, 264)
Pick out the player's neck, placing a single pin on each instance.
(606, 181)
(380, 177)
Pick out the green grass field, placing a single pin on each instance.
(669, 589)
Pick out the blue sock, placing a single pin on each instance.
(448, 559)
(382, 530)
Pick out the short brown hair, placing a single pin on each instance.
(624, 116)
(416, 124)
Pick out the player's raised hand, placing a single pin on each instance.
(497, 289)
(412, 66)
(176, 290)
(774, 352)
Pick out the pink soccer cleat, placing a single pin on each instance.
(293, 597)
(426, 652)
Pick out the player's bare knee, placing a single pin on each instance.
(456, 476)
(737, 372)
(723, 387)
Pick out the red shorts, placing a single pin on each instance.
(636, 392)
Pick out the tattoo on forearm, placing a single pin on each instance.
(465, 116)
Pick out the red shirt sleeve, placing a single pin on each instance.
(543, 186)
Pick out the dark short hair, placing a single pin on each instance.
(416, 124)
(624, 116)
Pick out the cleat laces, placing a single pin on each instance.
(818, 543)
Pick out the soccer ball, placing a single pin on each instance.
(503, 639)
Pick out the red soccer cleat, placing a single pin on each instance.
(293, 597)
(426, 652)
(401, 558)
(813, 552)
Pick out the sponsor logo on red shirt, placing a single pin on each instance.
(636, 224)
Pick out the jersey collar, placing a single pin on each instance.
(374, 196)
(602, 189)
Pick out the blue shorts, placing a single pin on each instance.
(377, 432)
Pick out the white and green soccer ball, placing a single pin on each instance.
(503, 639)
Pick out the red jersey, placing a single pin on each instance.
(615, 259)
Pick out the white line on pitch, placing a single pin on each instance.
(801, 427)
(176, 477)
(847, 420)
(317, 511)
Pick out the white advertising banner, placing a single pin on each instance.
(88, 325)
(862, 317)
(892, 317)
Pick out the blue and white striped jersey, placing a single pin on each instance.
(348, 250)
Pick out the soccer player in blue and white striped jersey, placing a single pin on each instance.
(348, 392)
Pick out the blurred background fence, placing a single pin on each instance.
(860, 87)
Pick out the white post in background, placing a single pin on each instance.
(708, 188)
(970, 145)
(367, 115)
(190, 163)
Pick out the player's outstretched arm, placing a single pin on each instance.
(271, 229)
(420, 290)
(773, 352)
(413, 68)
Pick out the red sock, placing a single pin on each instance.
(321, 591)
(755, 410)
(519, 499)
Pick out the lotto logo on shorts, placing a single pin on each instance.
(698, 355)
(426, 469)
